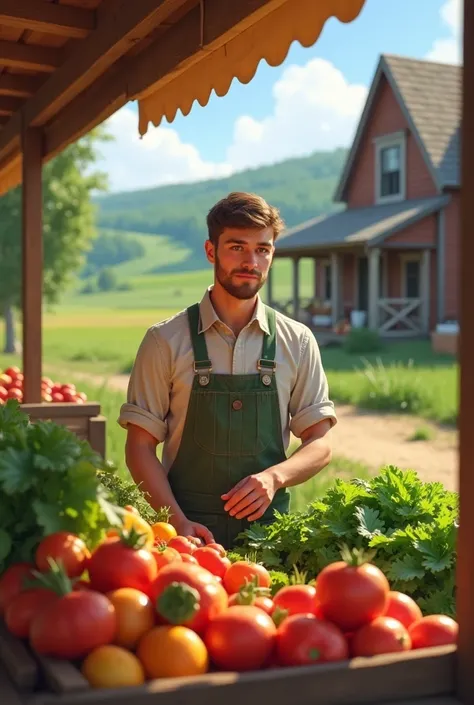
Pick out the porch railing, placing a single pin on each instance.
(400, 316)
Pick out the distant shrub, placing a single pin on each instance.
(391, 389)
(361, 341)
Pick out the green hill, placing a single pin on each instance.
(302, 188)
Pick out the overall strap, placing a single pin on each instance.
(202, 363)
(267, 364)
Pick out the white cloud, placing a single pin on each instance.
(314, 108)
(449, 49)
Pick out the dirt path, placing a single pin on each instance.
(375, 439)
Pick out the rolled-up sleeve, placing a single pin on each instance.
(309, 401)
(148, 392)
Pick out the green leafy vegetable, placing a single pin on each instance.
(412, 526)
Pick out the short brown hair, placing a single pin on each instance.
(242, 210)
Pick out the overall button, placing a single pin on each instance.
(237, 405)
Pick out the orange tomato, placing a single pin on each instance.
(165, 555)
(241, 571)
(112, 667)
(163, 531)
(172, 652)
(135, 615)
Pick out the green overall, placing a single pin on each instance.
(232, 430)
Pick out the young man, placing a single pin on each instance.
(222, 384)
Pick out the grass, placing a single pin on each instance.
(423, 433)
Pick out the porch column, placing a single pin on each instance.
(374, 293)
(32, 263)
(296, 286)
(270, 287)
(316, 278)
(425, 276)
(335, 287)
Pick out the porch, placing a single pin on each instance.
(384, 289)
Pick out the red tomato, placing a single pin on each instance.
(188, 558)
(352, 595)
(14, 393)
(164, 555)
(182, 544)
(211, 560)
(66, 548)
(219, 548)
(433, 630)
(12, 582)
(384, 635)
(5, 380)
(12, 371)
(73, 625)
(242, 572)
(403, 608)
(296, 599)
(261, 601)
(241, 638)
(304, 639)
(3, 393)
(115, 564)
(187, 595)
(57, 397)
(23, 609)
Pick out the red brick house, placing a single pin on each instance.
(392, 251)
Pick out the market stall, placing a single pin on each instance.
(70, 67)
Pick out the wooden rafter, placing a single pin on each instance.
(9, 105)
(41, 16)
(18, 86)
(29, 56)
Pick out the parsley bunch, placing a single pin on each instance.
(48, 482)
(410, 524)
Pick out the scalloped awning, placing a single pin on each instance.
(266, 35)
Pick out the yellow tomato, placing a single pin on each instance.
(135, 615)
(163, 531)
(131, 519)
(172, 652)
(112, 667)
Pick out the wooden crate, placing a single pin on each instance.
(424, 677)
(84, 420)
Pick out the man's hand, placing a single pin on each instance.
(197, 533)
(251, 497)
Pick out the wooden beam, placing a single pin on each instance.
(465, 554)
(46, 17)
(9, 105)
(32, 258)
(335, 287)
(374, 282)
(18, 86)
(28, 56)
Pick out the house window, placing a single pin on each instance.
(411, 277)
(390, 171)
(390, 168)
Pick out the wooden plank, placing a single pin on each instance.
(369, 681)
(61, 409)
(40, 16)
(465, 554)
(62, 676)
(97, 434)
(17, 661)
(18, 86)
(28, 56)
(32, 263)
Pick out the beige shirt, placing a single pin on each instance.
(162, 375)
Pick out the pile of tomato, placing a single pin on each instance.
(146, 603)
(11, 387)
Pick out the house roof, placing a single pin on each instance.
(429, 95)
(357, 226)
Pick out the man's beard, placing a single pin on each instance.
(246, 289)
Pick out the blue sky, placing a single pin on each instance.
(311, 101)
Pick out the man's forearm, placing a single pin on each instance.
(149, 473)
(311, 457)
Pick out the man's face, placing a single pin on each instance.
(242, 260)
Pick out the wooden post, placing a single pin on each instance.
(32, 262)
(425, 276)
(335, 288)
(296, 286)
(465, 554)
(374, 293)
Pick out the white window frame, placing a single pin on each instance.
(405, 258)
(396, 139)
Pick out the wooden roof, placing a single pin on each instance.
(67, 65)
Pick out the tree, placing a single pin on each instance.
(107, 279)
(69, 180)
